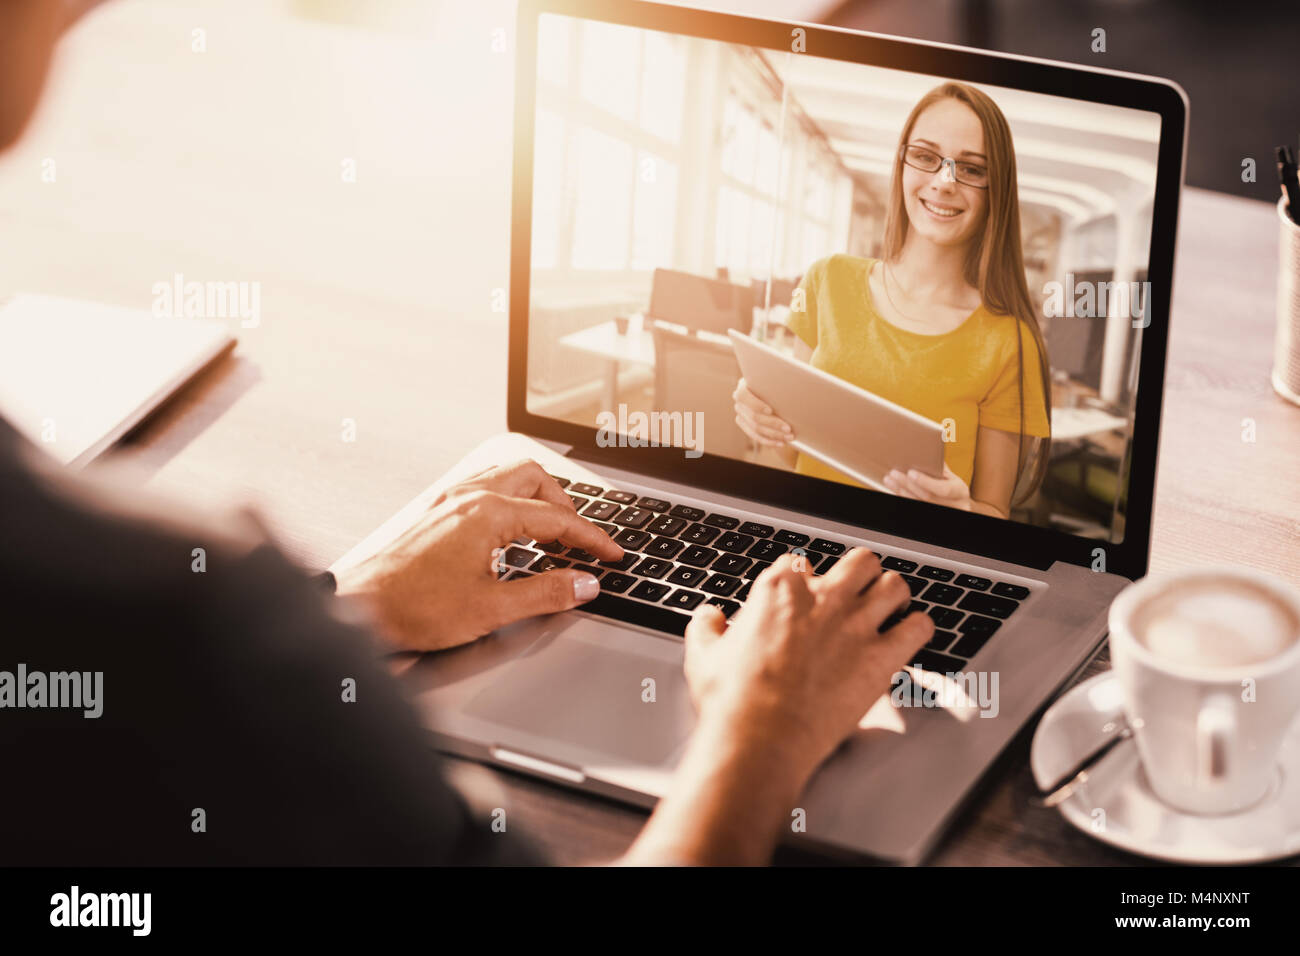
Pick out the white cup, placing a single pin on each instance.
(1208, 732)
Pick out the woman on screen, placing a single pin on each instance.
(942, 322)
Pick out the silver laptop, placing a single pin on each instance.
(651, 137)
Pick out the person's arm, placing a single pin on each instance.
(239, 717)
(776, 692)
(994, 478)
(766, 429)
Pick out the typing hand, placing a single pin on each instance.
(435, 586)
(804, 659)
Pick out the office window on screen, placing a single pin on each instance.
(610, 111)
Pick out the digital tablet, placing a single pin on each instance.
(846, 427)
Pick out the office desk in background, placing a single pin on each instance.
(377, 308)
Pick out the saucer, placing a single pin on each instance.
(1117, 805)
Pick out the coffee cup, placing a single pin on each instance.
(1208, 661)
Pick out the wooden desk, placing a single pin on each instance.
(378, 307)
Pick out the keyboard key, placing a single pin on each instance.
(562, 482)
(987, 604)
(518, 557)
(941, 594)
(609, 529)
(632, 540)
(934, 661)
(828, 564)
(765, 550)
(722, 521)
(731, 564)
(743, 593)
(728, 607)
(547, 563)
(666, 525)
(721, 584)
(653, 616)
(757, 568)
(617, 582)
(899, 564)
(975, 624)
(813, 558)
(687, 512)
(916, 584)
(1015, 591)
(901, 613)
(793, 538)
(578, 502)
(600, 510)
(622, 564)
(935, 574)
(945, 617)
(972, 582)
(622, 497)
(581, 489)
(968, 645)
(650, 591)
(690, 577)
(550, 547)
(941, 640)
(577, 554)
(654, 504)
(634, 517)
(826, 547)
(664, 547)
(697, 556)
(756, 529)
(683, 598)
(735, 542)
(700, 534)
(653, 568)
(591, 569)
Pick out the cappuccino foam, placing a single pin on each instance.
(1209, 624)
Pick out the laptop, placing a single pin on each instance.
(685, 137)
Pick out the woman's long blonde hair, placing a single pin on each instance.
(994, 262)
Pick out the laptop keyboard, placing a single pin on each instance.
(678, 557)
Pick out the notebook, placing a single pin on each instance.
(76, 376)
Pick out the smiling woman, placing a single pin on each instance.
(942, 322)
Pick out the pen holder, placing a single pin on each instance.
(1286, 350)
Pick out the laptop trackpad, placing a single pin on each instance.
(596, 687)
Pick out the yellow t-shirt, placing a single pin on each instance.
(968, 374)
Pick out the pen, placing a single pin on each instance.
(1286, 174)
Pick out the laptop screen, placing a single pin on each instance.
(972, 254)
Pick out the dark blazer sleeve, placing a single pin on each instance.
(227, 734)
